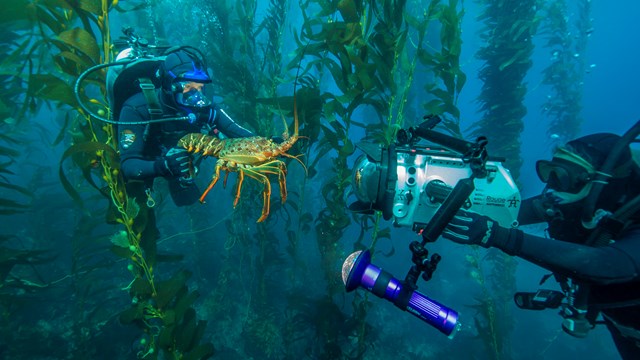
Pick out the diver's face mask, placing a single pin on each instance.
(193, 95)
(568, 176)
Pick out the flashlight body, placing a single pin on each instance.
(381, 283)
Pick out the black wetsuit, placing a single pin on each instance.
(613, 272)
(141, 145)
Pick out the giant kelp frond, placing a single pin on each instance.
(14, 197)
(449, 79)
(11, 257)
(353, 47)
(273, 25)
(74, 36)
(566, 43)
(509, 29)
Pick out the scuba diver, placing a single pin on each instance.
(595, 259)
(149, 149)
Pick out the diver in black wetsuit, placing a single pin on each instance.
(601, 262)
(150, 150)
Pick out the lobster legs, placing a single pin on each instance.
(257, 172)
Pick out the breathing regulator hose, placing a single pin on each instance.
(81, 78)
(601, 177)
(76, 88)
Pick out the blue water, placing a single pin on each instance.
(77, 325)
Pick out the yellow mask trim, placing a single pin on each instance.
(563, 153)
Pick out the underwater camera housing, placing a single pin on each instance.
(423, 187)
(409, 181)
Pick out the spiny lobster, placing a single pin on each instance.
(255, 157)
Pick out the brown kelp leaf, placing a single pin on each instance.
(92, 6)
(131, 314)
(122, 252)
(63, 131)
(169, 317)
(168, 289)
(460, 80)
(91, 148)
(47, 16)
(348, 10)
(141, 288)
(184, 302)
(186, 331)
(165, 338)
(50, 87)
(197, 336)
(6, 151)
(15, 12)
(81, 40)
(347, 148)
(69, 62)
(203, 351)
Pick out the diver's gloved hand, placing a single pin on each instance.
(175, 163)
(474, 229)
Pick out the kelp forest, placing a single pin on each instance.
(92, 267)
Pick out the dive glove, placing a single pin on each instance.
(474, 229)
(175, 163)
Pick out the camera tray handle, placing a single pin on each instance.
(433, 230)
(474, 153)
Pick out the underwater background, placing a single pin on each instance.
(87, 273)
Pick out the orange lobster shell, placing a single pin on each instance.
(255, 157)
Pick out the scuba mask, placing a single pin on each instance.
(186, 80)
(569, 179)
(192, 95)
(568, 176)
(572, 180)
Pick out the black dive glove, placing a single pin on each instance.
(474, 229)
(175, 163)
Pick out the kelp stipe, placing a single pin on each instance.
(508, 31)
(360, 45)
(77, 37)
(566, 45)
(449, 79)
(246, 55)
(449, 82)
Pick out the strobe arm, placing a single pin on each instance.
(473, 153)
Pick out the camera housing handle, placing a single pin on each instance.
(473, 153)
(433, 230)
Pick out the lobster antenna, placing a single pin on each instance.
(295, 100)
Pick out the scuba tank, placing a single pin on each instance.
(125, 78)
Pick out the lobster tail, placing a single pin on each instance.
(200, 143)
